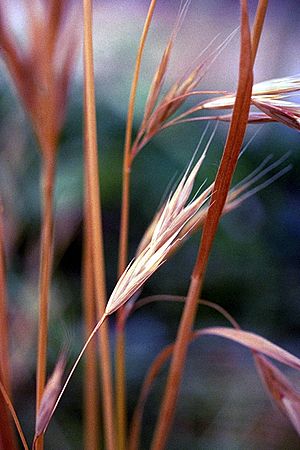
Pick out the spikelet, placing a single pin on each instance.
(282, 111)
(170, 222)
(178, 219)
(280, 389)
(270, 97)
(275, 88)
(159, 77)
(249, 186)
(157, 112)
(50, 395)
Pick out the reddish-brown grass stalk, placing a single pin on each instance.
(48, 178)
(5, 444)
(91, 161)
(123, 245)
(7, 435)
(41, 72)
(91, 379)
(159, 361)
(222, 185)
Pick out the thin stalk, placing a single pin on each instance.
(77, 361)
(258, 26)
(7, 435)
(222, 184)
(48, 179)
(91, 155)
(5, 445)
(123, 245)
(123, 248)
(4, 344)
(91, 382)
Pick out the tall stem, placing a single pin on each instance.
(7, 435)
(91, 382)
(123, 246)
(258, 26)
(91, 158)
(48, 178)
(222, 184)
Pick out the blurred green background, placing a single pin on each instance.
(254, 267)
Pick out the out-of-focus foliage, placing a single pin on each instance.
(254, 268)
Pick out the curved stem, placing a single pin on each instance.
(14, 416)
(91, 336)
(123, 245)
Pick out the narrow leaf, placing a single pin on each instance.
(254, 342)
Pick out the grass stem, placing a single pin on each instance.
(222, 185)
(258, 26)
(7, 435)
(123, 246)
(91, 381)
(4, 444)
(91, 161)
(48, 178)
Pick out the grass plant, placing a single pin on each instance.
(41, 73)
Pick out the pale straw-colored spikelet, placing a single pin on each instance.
(159, 111)
(176, 220)
(275, 88)
(271, 98)
(282, 111)
(261, 177)
(170, 222)
(159, 77)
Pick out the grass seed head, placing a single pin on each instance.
(270, 97)
(157, 112)
(282, 111)
(168, 224)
